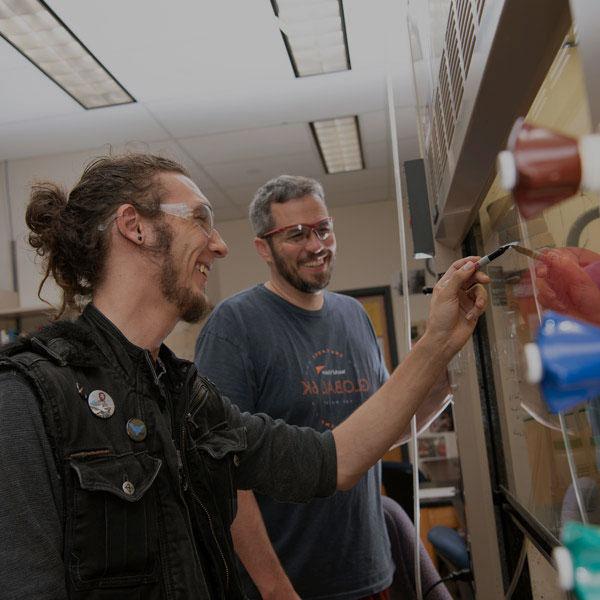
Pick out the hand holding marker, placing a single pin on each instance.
(488, 258)
(495, 254)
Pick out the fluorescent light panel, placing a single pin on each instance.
(339, 144)
(35, 31)
(314, 33)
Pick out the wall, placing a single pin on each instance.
(64, 169)
(6, 278)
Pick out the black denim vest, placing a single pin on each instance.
(142, 519)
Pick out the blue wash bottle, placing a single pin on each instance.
(565, 361)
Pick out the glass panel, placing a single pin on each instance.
(561, 276)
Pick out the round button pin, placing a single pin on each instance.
(101, 404)
(136, 430)
(128, 488)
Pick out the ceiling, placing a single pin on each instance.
(216, 91)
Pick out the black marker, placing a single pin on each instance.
(488, 258)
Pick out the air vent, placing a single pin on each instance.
(480, 4)
(453, 61)
(445, 99)
(461, 32)
(466, 27)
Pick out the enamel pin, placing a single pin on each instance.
(136, 430)
(101, 404)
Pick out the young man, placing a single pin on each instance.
(119, 465)
(296, 352)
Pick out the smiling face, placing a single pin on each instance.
(306, 266)
(187, 250)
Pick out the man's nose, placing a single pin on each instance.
(217, 244)
(314, 243)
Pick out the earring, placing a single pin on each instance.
(139, 238)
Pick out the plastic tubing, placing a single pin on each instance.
(407, 321)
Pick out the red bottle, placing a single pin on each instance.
(542, 167)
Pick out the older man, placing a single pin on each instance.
(291, 334)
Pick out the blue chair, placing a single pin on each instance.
(450, 546)
(452, 549)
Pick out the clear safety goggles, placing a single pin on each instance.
(300, 233)
(200, 214)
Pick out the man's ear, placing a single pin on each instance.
(129, 224)
(264, 249)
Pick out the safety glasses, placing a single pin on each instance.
(200, 214)
(300, 233)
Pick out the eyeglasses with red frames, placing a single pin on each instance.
(300, 233)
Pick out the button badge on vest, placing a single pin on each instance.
(136, 430)
(101, 404)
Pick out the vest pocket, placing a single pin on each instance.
(219, 451)
(111, 524)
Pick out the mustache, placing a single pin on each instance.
(323, 253)
(310, 257)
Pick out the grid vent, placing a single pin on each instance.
(445, 99)
(453, 61)
(480, 5)
(461, 32)
(467, 31)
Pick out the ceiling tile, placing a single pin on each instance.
(217, 198)
(358, 196)
(272, 102)
(118, 125)
(377, 154)
(258, 171)
(408, 149)
(374, 126)
(27, 93)
(216, 80)
(249, 143)
(340, 182)
(242, 196)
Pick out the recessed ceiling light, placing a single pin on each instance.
(314, 33)
(36, 31)
(339, 144)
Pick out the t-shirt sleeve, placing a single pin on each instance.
(31, 507)
(226, 363)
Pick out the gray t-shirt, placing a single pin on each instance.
(309, 368)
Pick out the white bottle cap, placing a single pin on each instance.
(564, 566)
(589, 154)
(533, 362)
(507, 169)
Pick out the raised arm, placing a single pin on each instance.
(458, 301)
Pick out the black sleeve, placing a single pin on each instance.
(288, 463)
(31, 506)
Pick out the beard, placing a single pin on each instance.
(318, 282)
(191, 307)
